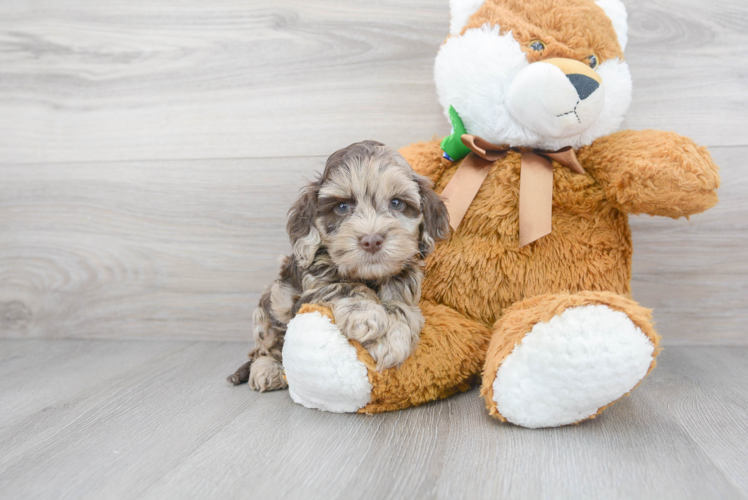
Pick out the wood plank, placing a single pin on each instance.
(183, 249)
(152, 249)
(670, 43)
(167, 80)
(114, 435)
(706, 390)
(49, 384)
(634, 450)
(97, 81)
(171, 428)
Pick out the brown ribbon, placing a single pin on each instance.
(535, 188)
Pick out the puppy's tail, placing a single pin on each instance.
(240, 376)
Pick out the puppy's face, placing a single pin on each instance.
(371, 212)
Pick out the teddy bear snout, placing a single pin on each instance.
(556, 97)
(584, 85)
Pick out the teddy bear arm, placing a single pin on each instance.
(653, 172)
(327, 371)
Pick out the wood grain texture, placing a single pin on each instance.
(224, 79)
(705, 391)
(155, 420)
(94, 81)
(155, 249)
(688, 64)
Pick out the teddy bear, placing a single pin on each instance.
(530, 295)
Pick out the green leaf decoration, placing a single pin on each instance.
(452, 145)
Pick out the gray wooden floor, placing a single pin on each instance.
(88, 419)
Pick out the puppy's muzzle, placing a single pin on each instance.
(372, 243)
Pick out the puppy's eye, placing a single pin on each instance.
(396, 204)
(342, 208)
(537, 46)
(592, 61)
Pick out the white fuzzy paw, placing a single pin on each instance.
(565, 370)
(322, 368)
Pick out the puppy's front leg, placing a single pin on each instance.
(360, 318)
(400, 339)
(265, 369)
(356, 309)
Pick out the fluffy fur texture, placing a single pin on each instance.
(321, 366)
(482, 294)
(505, 93)
(460, 12)
(616, 12)
(359, 235)
(599, 355)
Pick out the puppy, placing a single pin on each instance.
(359, 234)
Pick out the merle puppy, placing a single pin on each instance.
(359, 233)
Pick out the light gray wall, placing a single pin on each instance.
(150, 149)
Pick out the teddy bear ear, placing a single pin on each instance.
(460, 11)
(616, 11)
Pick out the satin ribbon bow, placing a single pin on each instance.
(535, 188)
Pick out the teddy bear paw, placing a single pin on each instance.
(322, 367)
(569, 368)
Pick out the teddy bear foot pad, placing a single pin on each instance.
(569, 368)
(322, 367)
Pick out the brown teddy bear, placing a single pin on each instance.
(532, 289)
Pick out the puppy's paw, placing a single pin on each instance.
(395, 346)
(266, 374)
(362, 320)
(241, 375)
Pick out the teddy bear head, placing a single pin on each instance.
(536, 73)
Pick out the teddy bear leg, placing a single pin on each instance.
(329, 372)
(560, 359)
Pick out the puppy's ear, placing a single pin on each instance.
(301, 229)
(435, 225)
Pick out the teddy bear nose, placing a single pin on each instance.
(584, 85)
(372, 243)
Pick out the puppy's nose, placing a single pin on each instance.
(372, 243)
(583, 84)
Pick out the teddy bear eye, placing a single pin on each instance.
(592, 61)
(537, 45)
